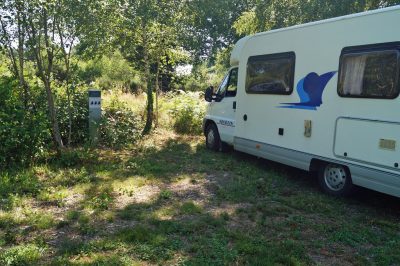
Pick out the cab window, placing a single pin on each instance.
(228, 87)
(222, 88)
(232, 84)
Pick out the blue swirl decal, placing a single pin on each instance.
(310, 91)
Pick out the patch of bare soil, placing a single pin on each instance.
(191, 189)
(333, 255)
(143, 194)
(324, 258)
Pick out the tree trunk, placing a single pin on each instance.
(45, 73)
(149, 117)
(10, 49)
(157, 91)
(21, 41)
(69, 115)
(67, 62)
(53, 117)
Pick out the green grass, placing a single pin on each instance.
(40, 220)
(21, 255)
(190, 207)
(170, 201)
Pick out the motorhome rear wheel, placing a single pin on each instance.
(335, 179)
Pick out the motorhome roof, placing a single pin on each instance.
(241, 43)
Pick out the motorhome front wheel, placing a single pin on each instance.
(335, 179)
(213, 141)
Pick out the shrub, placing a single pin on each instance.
(120, 125)
(73, 157)
(24, 131)
(187, 111)
(79, 115)
(110, 72)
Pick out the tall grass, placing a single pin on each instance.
(181, 111)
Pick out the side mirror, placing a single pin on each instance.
(209, 94)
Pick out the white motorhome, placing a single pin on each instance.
(322, 96)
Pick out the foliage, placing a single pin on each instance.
(246, 24)
(21, 255)
(79, 114)
(267, 15)
(203, 75)
(52, 47)
(120, 124)
(186, 110)
(73, 157)
(23, 133)
(208, 26)
(110, 72)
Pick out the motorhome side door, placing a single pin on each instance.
(224, 108)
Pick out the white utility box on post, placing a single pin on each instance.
(94, 115)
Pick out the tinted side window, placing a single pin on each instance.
(370, 73)
(271, 74)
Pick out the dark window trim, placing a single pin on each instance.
(379, 47)
(285, 55)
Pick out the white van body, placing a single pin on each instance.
(360, 133)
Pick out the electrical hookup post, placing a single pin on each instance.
(94, 116)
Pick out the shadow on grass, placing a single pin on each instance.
(278, 212)
(307, 181)
(190, 236)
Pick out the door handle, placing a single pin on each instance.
(234, 105)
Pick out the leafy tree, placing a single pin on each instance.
(115, 72)
(46, 32)
(13, 35)
(273, 14)
(147, 36)
(41, 22)
(97, 23)
(207, 26)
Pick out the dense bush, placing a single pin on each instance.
(120, 125)
(79, 117)
(202, 76)
(110, 72)
(186, 110)
(24, 131)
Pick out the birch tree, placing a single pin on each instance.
(12, 38)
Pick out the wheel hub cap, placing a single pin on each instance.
(210, 137)
(335, 177)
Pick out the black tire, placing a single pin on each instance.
(335, 179)
(225, 147)
(213, 141)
